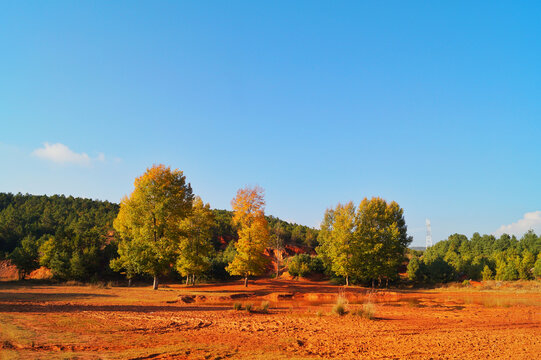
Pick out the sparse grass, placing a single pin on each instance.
(248, 307)
(340, 308)
(237, 306)
(367, 311)
(319, 313)
(264, 308)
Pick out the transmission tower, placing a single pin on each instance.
(428, 234)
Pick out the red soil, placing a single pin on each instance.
(178, 322)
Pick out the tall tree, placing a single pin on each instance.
(339, 246)
(382, 233)
(195, 245)
(368, 243)
(249, 216)
(149, 219)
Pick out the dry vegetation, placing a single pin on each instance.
(288, 320)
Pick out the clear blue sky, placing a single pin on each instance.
(436, 106)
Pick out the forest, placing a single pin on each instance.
(163, 229)
(483, 257)
(75, 238)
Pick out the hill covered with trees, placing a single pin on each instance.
(75, 238)
(479, 258)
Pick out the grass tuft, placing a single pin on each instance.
(248, 307)
(237, 306)
(264, 308)
(340, 308)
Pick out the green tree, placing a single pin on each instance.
(487, 273)
(249, 216)
(369, 243)
(25, 256)
(414, 269)
(382, 233)
(149, 219)
(195, 247)
(338, 245)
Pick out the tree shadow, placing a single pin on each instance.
(71, 308)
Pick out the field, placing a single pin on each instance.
(179, 322)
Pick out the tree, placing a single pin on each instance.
(369, 243)
(195, 245)
(149, 220)
(338, 244)
(249, 216)
(25, 256)
(487, 273)
(382, 231)
(414, 269)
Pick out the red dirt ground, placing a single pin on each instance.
(178, 322)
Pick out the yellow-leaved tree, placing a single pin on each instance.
(195, 246)
(249, 216)
(148, 222)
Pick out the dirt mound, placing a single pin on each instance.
(8, 271)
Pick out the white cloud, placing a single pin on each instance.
(61, 154)
(531, 220)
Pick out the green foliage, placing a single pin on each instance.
(25, 256)
(482, 257)
(304, 264)
(414, 269)
(537, 267)
(487, 274)
(77, 226)
(368, 243)
(195, 246)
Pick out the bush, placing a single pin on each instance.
(264, 307)
(466, 283)
(237, 306)
(367, 311)
(304, 264)
(340, 307)
(248, 307)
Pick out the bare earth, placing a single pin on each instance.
(178, 322)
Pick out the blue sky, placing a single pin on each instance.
(436, 106)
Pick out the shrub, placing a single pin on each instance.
(248, 307)
(466, 283)
(264, 307)
(237, 306)
(340, 307)
(368, 310)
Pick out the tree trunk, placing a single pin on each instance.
(193, 279)
(246, 281)
(347, 280)
(187, 280)
(155, 285)
(129, 282)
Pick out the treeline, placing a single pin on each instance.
(479, 258)
(75, 238)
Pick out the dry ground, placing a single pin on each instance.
(176, 322)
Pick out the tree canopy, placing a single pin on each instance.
(150, 220)
(249, 216)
